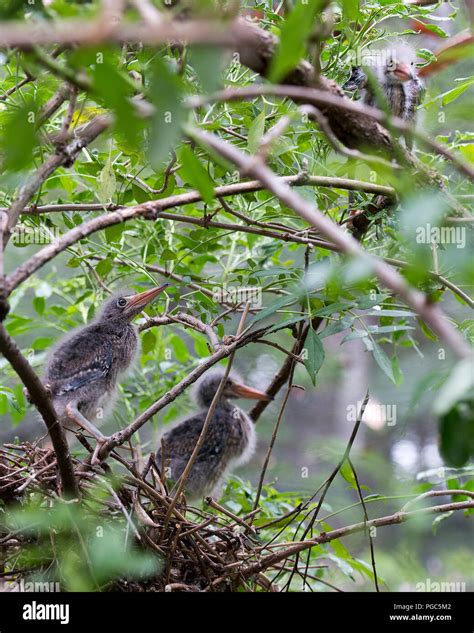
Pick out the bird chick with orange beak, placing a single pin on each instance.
(398, 84)
(229, 442)
(83, 370)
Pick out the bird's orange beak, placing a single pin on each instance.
(403, 72)
(139, 301)
(252, 394)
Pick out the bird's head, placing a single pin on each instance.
(206, 388)
(399, 72)
(125, 307)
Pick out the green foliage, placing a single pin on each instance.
(315, 354)
(293, 37)
(194, 173)
(78, 546)
(263, 247)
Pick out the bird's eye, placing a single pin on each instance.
(122, 302)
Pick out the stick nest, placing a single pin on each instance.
(200, 549)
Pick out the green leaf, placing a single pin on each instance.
(453, 94)
(43, 342)
(107, 183)
(351, 9)
(354, 335)
(148, 341)
(180, 349)
(348, 474)
(458, 385)
(115, 92)
(39, 304)
(391, 313)
(286, 323)
(273, 307)
(167, 255)
(104, 267)
(434, 28)
(383, 361)
(207, 61)
(165, 94)
(114, 232)
(19, 136)
(293, 38)
(457, 434)
(397, 371)
(314, 354)
(256, 131)
(385, 329)
(194, 173)
(338, 326)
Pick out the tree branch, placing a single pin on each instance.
(332, 104)
(429, 312)
(186, 320)
(226, 191)
(153, 210)
(40, 398)
(63, 156)
(326, 537)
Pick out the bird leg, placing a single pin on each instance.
(76, 416)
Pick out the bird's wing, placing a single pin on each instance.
(358, 79)
(180, 441)
(80, 360)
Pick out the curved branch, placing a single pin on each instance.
(336, 103)
(390, 278)
(154, 210)
(229, 190)
(151, 211)
(63, 156)
(186, 320)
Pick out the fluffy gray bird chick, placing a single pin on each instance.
(230, 439)
(83, 369)
(397, 78)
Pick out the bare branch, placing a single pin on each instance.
(124, 214)
(326, 537)
(186, 320)
(225, 191)
(73, 32)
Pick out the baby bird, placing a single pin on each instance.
(82, 371)
(402, 89)
(230, 439)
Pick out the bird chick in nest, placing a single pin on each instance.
(83, 369)
(229, 442)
